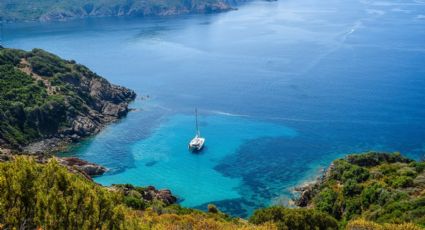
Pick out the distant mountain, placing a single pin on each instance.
(43, 96)
(55, 10)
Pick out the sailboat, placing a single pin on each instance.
(197, 143)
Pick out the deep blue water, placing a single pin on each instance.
(283, 88)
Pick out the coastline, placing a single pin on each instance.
(82, 11)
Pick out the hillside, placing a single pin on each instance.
(53, 10)
(379, 187)
(48, 196)
(45, 98)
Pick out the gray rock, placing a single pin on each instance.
(88, 168)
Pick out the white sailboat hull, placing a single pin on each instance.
(196, 144)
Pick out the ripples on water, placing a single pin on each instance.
(283, 89)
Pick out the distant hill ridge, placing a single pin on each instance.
(56, 10)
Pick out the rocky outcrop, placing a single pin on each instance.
(88, 168)
(148, 194)
(303, 194)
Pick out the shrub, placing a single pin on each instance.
(294, 219)
(419, 166)
(326, 201)
(134, 202)
(373, 195)
(362, 224)
(351, 188)
(376, 158)
(402, 182)
(212, 208)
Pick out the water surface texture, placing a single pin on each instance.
(282, 88)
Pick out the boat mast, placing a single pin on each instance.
(196, 119)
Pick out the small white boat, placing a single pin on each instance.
(197, 143)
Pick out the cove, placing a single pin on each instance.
(283, 87)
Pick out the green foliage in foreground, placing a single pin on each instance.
(294, 219)
(385, 188)
(48, 196)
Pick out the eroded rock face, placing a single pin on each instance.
(165, 196)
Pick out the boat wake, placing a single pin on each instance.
(228, 114)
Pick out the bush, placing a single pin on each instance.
(419, 166)
(134, 202)
(375, 158)
(294, 219)
(353, 207)
(326, 201)
(402, 182)
(373, 194)
(212, 208)
(362, 224)
(351, 188)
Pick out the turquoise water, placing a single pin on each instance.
(282, 88)
(163, 160)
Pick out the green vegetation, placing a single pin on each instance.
(362, 224)
(294, 219)
(33, 195)
(47, 196)
(26, 10)
(23, 101)
(384, 188)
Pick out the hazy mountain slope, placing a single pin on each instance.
(47, 10)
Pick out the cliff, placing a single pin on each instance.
(45, 100)
(53, 10)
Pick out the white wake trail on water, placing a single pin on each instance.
(291, 119)
(217, 112)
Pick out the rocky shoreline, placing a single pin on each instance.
(303, 194)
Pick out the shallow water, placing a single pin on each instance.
(283, 88)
